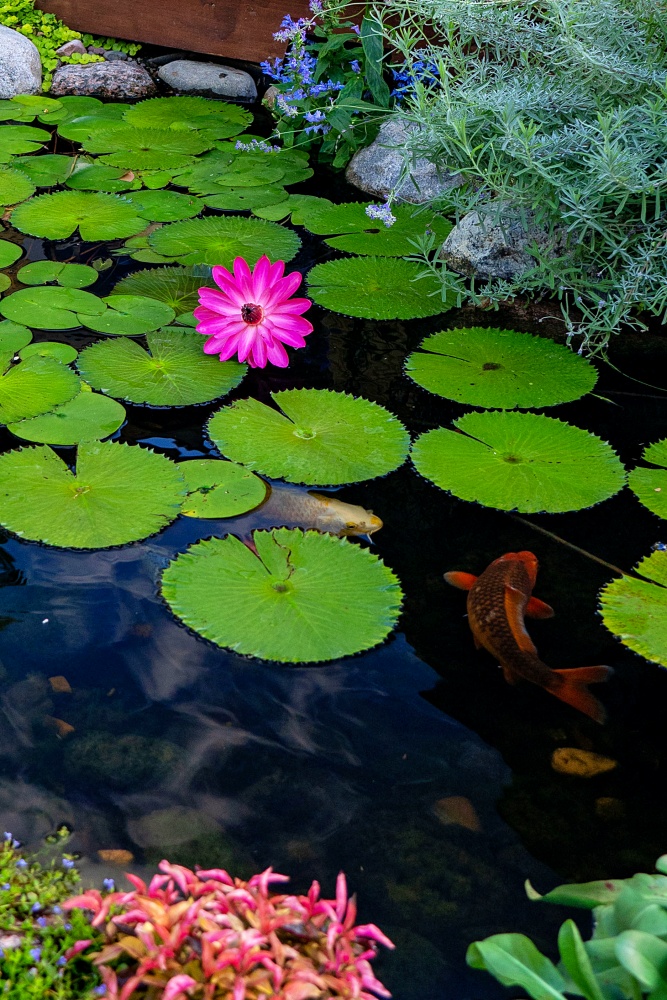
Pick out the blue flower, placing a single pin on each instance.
(67, 864)
(35, 908)
(41, 922)
(5, 887)
(21, 863)
(315, 116)
(100, 991)
(36, 954)
(67, 926)
(109, 884)
(381, 212)
(61, 961)
(9, 836)
(355, 67)
(56, 910)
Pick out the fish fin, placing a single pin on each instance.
(514, 600)
(538, 609)
(464, 581)
(509, 674)
(478, 643)
(573, 690)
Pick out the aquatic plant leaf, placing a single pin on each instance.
(176, 372)
(250, 174)
(376, 288)
(220, 489)
(15, 186)
(146, 149)
(87, 417)
(16, 139)
(237, 199)
(644, 956)
(45, 170)
(5, 282)
(82, 127)
(586, 895)
(119, 493)
(519, 461)
(362, 235)
(13, 338)
(97, 177)
(219, 240)
(289, 604)
(43, 272)
(176, 286)
(499, 368)
(128, 316)
(635, 610)
(320, 438)
(514, 960)
(9, 253)
(64, 353)
(97, 216)
(48, 308)
(71, 107)
(576, 961)
(295, 205)
(650, 485)
(187, 113)
(34, 386)
(26, 107)
(165, 206)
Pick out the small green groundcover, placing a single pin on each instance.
(635, 610)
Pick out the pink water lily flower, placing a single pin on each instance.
(253, 314)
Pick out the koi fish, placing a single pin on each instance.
(497, 603)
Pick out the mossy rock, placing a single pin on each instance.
(210, 850)
(121, 762)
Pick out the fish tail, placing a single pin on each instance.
(573, 690)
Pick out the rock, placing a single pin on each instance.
(457, 811)
(69, 48)
(175, 825)
(60, 684)
(113, 55)
(494, 245)
(377, 168)
(270, 95)
(59, 726)
(115, 856)
(128, 761)
(20, 65)
(608, 808)
(187, 74)
(580, 763)
(95, 50)
(113, 80)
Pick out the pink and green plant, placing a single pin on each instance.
(207, 936)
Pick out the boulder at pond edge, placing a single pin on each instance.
(20, 65)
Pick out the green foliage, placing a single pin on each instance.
(362, 235)
(376, 288)
(98, 177)
(49, 349)
(50, 308)
(86, 417)
(290, 603)
(127, 316)
(34, 386)
(97, 216)
(43, 272)
(15, 186)
(220, 489)
(9, 252)
(635, 610)
(16, 139)
(165, 206)
(650, 485)
(175, 286)
(46, 170)
(186, 113)
(219, 241)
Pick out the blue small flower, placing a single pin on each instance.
(355, 67)
(35, 908)
(315, 116)
(56, 910)
(109, 884)
(8, 836)
(61, 961)
(5, 887)
(21, 863)
(36, 954)
(382, 213)
(41, 922)
(67, 926)
(100, 991)
(67, 864)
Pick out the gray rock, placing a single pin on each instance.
(187, 74)
(113, 80)
(495, 245)
(69, 48)
(95, 50)
(20, 65)
(377, 168)
(269, 99)
(113, 55)
(175, 825)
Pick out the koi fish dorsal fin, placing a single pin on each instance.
(538, 609)
(514, 609)
(464, 581)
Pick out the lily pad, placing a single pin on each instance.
(519, 461)
(15, 139)
(173, 372)
(219, 241)
(97, 177)
(220, 489)
(82, 127)
(128, 316)
(362, 235)
(13, 337)
(239, 198)
(34, 386)
(165, 206)
(15, 186)
(43, 272)
(499, 368)
(295, 205)
(64, 353)
(9, 253)
(97, 216)
(320, 437)
(87, 417)
(178, 287)
(146, 149)
(26, 107)
(308, 598)
(46, 170)
(650, 485)
(185, 113)
(5, 282)
(72, 107)
(119, 494)
(50, 308)
(636, 610)
(377, 288)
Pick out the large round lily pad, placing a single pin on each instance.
(178, 287)
(87, 417)
(350, 229)
(98, 177)
(636, 610)
(220, 489)
(45, 170)
(146, 149)
(97, 216)
(35, 386)
(9, 252)
(119, 493)
(64, 353)
(519, 461)
(15, 186)
(376, 288)
(187, 112)
(499, 368)
(165, 206)
(650, 485)
(309, 597)
(320, 437)
(219, 241)
(43, 272)
(16, 139)
(128, 316)
(13, 338)
(173, 372)
(50, 308)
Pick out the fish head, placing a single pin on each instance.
(342, 519)
(527, 559)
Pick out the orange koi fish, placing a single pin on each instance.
(497, 603)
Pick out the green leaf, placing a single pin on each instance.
(15, 186)
(175, 286)
(320, 437)
(42, 272)
(219, 241)
(219, 170)
(45, 170)
(295, 205)
(220, 489)
(146, 149)
(94, 177)
(72, 107)
(499, 368)
(82, 127)
(376, 288)
(577, 962)
(26, 107)
(9, 252)
(514, 960)
(288, 604)
(20, 139)
(363, 235)
(635, 611)
(165, 206)
(176, 372)
(650, 485)
(119, 494)
(372, 41)
(49, 349)
(13, 337)
(128, 316)
(237, 199)
(86, 417)
(35, 386)
(587, 895)
(644, 957)
(97, 216)
(188, 113)
(519, 461)
(50, 308)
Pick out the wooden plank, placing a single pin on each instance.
(236, 29)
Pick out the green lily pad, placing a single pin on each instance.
(203, 174)
(15, 139)
(249, 174)
(176, 286)
(128, 316)
(13, 338)
(5, 282)
(220, 170)
(119, 494)
(635, 611)
(499, 368)
(50, 308)
(219, 241)
(34, 386)
(64, 353)
(97, 177)
(220, 489)
(362, 235)
(82, 127)
(519, 461)
(173, 372)
(187, 113)
(146, 149)
(237, 199)
(376, 288)
(26, 107)
(320, 437)
(165, 206)
(72, 107)
(289, 604)
(97, 216)
(15, 186)
(42, 272)
(650, 485)
(295, 205)
(86, 417)
(46, 170)
(9, 253)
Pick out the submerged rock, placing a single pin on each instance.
(20, 65)
(188, 74)
(115, 856)
(581, 763)
(112, 80)
(172, 826)
(125, 762)
(455, 810)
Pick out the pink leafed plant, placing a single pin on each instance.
(206, 936)
(252, 314)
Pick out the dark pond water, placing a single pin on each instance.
(184, 750)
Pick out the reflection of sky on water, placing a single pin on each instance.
(308, 769)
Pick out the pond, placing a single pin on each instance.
(413, 767)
